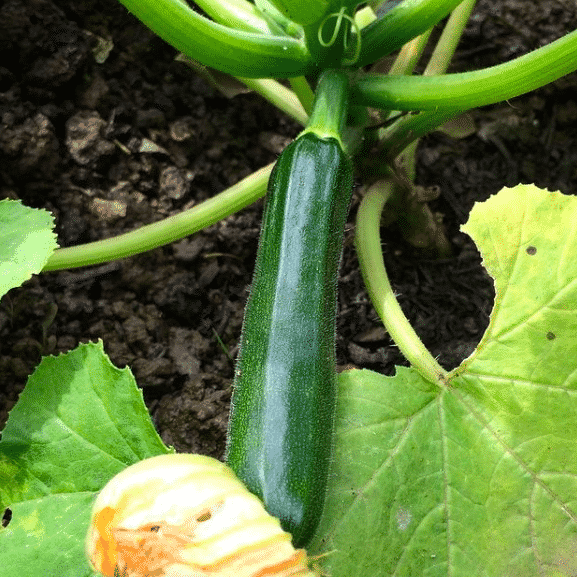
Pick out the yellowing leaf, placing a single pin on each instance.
(478, 478)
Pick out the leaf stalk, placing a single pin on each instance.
(465, 90)
(164, 232)
(368, 244)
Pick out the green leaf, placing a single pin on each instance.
(78, 422)
(478, 478)
(46, 537)
(26, 242)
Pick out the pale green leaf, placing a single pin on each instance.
(26, 242)
(478, 478)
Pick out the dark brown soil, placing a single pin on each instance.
(71, 135)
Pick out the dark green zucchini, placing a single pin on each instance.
(282, 410)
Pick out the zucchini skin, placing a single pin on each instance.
(282, 409)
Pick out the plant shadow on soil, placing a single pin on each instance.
(75, 138)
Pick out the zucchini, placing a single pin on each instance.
(282, 409)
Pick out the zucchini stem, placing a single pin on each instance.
(330, 107)
(465, 90)
(368, 244)
(227, 49)
(304, 92)
(399, 25)
(450, 37)
(163, 232)
(278, 95)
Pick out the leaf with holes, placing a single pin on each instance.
(478, 478)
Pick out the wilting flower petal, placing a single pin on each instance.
(187, 516)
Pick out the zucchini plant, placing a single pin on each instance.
(427, 472)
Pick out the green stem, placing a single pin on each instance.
(405, 63)
(410, 128)
(238, 14)
(331, 105)
(365, 16)
(410, 53)
(405, 132)
(471, 89)
(278, 19)
(303, 91)
(447, 44)
(368, 243)
(228, 50)
(279, 95)
(396, 27)
(165, 231)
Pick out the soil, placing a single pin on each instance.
(109, 145)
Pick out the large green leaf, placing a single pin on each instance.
(79, 421)
(26, 242)
(478, 478)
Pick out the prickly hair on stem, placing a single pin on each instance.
(187, 516)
